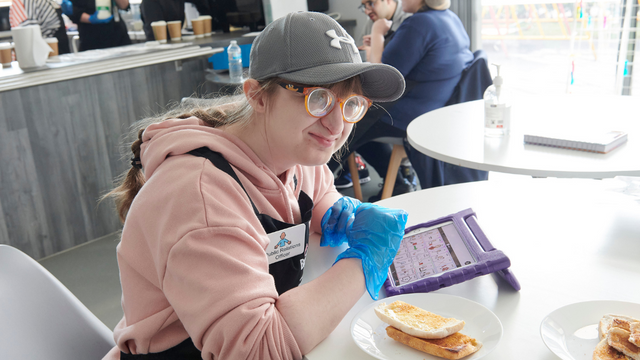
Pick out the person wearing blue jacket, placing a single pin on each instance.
(431, 50)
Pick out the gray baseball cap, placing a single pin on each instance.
(313, 49)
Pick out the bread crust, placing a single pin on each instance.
(619, 339)
(417, 322)
(455, 346)
(605, 352)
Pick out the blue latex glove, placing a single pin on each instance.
(374, 236)
(67, 7)
(336, 220)
(94, 19)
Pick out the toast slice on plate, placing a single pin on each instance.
(611, 320)
(453, 347)
(619, 339)
(635, 333)
(417, 322)
(605, 352)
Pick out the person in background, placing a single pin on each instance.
(430, 49)
(212, 189)
(157, 10)
(377, 10)
(376, 153)
(46, 13)
(97, 33)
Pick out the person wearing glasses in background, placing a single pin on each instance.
(390, 10)
(96, 32)
(213, 186)
(431, 50)
(387, 14)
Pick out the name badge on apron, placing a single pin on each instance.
(286, 243)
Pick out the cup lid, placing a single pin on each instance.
(159, 23)
(51, 40)
(5, 45)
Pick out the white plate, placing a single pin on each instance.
(571, 332)
(369, 333)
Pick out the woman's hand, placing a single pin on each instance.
(366, 40)
(374, 236)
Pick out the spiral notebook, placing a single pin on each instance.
(599, 143)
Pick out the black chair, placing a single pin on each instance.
(475, 79)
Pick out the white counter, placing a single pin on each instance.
(95, 62)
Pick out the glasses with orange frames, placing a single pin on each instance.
(320, 101)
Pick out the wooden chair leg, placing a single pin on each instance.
(397, 154)
(353, 170)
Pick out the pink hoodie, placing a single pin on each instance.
(192, 257)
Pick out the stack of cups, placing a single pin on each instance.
(53, 44)
(160, 31)
(175, 30)
(207, 24)
(198, 27)
(5, 54)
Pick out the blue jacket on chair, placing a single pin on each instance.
(475, 79)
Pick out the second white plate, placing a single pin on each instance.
(571, 332)
(369, 333)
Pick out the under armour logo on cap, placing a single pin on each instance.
(345, 39)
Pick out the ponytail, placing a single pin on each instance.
(130, 182)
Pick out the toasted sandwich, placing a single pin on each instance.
(618, 321)
(634, 338)
(619, 339)
(417, 322)
(605, 352)
(453, 347)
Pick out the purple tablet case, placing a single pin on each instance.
(489, 259)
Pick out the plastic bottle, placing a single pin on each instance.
(235, 62)
(103, 7)
(497, 108)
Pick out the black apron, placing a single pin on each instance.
(102, 36)
(287, 273)
(61, 35)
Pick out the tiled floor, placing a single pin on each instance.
(90, 270)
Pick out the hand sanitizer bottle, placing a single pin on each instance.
(497, 108)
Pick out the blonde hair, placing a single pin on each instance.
(213, 112)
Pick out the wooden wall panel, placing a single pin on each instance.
(61, 146)
(24, 212)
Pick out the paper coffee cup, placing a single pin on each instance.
(5, 53)
(198, 27)
(207, 24)
(175, 30)
(160, 31)
(53, 43)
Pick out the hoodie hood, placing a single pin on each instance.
(179, 136)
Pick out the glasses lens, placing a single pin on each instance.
(354, 109)
(320, 102)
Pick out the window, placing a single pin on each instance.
(562, 47)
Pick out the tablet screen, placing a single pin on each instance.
(429, 251)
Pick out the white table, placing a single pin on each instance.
(569, 240)
(455, 134)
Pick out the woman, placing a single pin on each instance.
(201, 275)
(47, 14)
(431, 50)
(95, 32)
